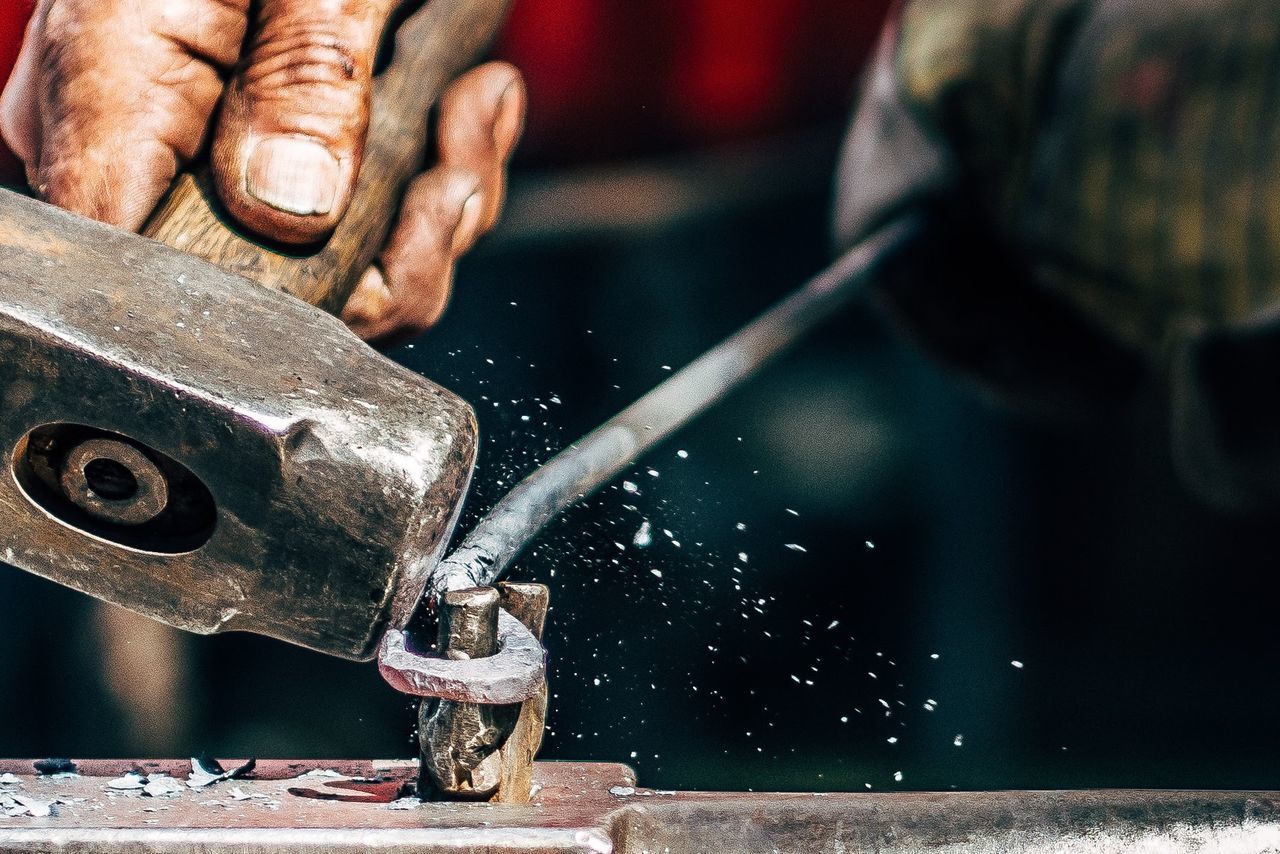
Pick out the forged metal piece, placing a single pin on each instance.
(584, 467)
(311, 483)
(515, 673)
(469, 751)
(458, 742)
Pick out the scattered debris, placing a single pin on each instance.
(162, 786)
(319, 772)
(7, 779)
(132, 780)
(54, 766)
(205, 771)
(410, 803)
(15, 806)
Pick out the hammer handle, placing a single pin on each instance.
(432, 47)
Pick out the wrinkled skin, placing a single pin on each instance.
(110, 98)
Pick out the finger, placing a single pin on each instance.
(481, 118)
(288, 146)
(446, 209)
(111, 97)
(406, 292)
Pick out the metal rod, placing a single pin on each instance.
(582, 468)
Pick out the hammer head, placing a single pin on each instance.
(182, 442)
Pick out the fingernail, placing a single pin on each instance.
(293, 174)
(506, 127)
(465, 231)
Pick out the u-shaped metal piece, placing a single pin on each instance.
(513, 675)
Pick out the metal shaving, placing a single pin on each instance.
(318, 772)
(15, 806)
(162, 786)
(239, 794)
(405, 803)
(206, 772)
(128, 781)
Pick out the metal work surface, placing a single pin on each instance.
(596, 807)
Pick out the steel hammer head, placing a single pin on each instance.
(180, 441)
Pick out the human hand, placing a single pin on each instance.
(109, 98)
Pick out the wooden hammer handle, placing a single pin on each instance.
(432, 47)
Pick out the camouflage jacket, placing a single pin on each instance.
(1105, 178)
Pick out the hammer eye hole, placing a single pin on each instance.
(115, 488)
(110, 479)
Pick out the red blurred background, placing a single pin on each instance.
(611, 79)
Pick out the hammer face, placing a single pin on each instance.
(182, 442)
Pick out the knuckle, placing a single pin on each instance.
(310, 74)
(308, 56)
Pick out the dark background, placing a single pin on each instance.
(662, 200)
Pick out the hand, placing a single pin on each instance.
(109, 98)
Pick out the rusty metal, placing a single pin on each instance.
(131, 491)
(335, 475)
(598, 808)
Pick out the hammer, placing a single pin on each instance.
(219, 455)
(222, 456)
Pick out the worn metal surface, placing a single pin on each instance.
(458, 742)
(598, 808)
(335, 475)
(571, 814)
(529, 604)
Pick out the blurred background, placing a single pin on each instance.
(861, 575)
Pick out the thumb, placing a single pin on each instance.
(288, 145)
